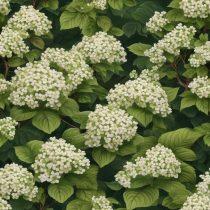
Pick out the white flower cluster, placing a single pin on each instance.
(101, 203)
(72, 63)
(109, 127)
(16, 181)
(195, 8)
(200, 86)
(4, 205)
(197, 202)
(7, 128)
(180, 37)
(159, 161)
(12, 42)
(35, 85)
(201, 55)
(4, 7)
(13, 34)
(99, 4)
(101, 47)
(30, 19)
(201, 199)
(4, 86)
(145, 91)
(157, 22)
(133, 74)
(56, 158)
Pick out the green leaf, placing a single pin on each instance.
(86, 181)
(86, 195)
(139, 48)
(29, 152)
(114, 185)
(185, 154)
(188, 101)
(33, 55)
(37, 42)
(171, 93)
(206, 139)
(46, 121)
(127, 149)
(73, 136)
(72, 19)
(176, 15)
(16, 61)
(50, 4)
(104, 22)
(69, 107)
(81, 118)
(175, 4)
(22, 114)
(102, 156)
(3, 140)
(79, 205)
(202, 105)
(141, 198)
(130, 3)
(141, 181)
(187, 173)
(141, 115)
(184, 137)
(116, 4)
(61, 191)
(116, 31)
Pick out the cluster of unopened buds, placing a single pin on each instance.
(7, 128)
(99, 4)
(101, 203)
(4, 7)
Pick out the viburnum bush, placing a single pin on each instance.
(104, 104)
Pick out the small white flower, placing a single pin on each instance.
(101, 203)
(4, 205)
(57, 158)
(157, 22)
(7, 127)
(145, 91)
(159, 161)
(195, 8)
(5, 86)
(4, 7)
(36, 84)
(180, 37)
(101, 47)
(200, 86)
(15, 182)
(72, 62)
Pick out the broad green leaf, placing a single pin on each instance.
(142, 198)
(81, 118)
(168, 202)
(175, 4)
(185, 154)
(206, 139)
(187, 173)
(37, 42)
(79, 205)
(114, 185)
(176, 15)
(21, 114)
(104, 22)
(141, 181)
(116, 4)
(69, 107)
(130, 3)
(61, 191)
(102, 156)
(86, 181)
(46, 121)
(139, 48)
(141, 115)
(3, 140)
(86, 195)
(29, 152)
(73, 136)
(116, 31)
(188, 102)
(183, 137)
(127, 149)
(202, 105)
(171, 93)
(16, 61)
